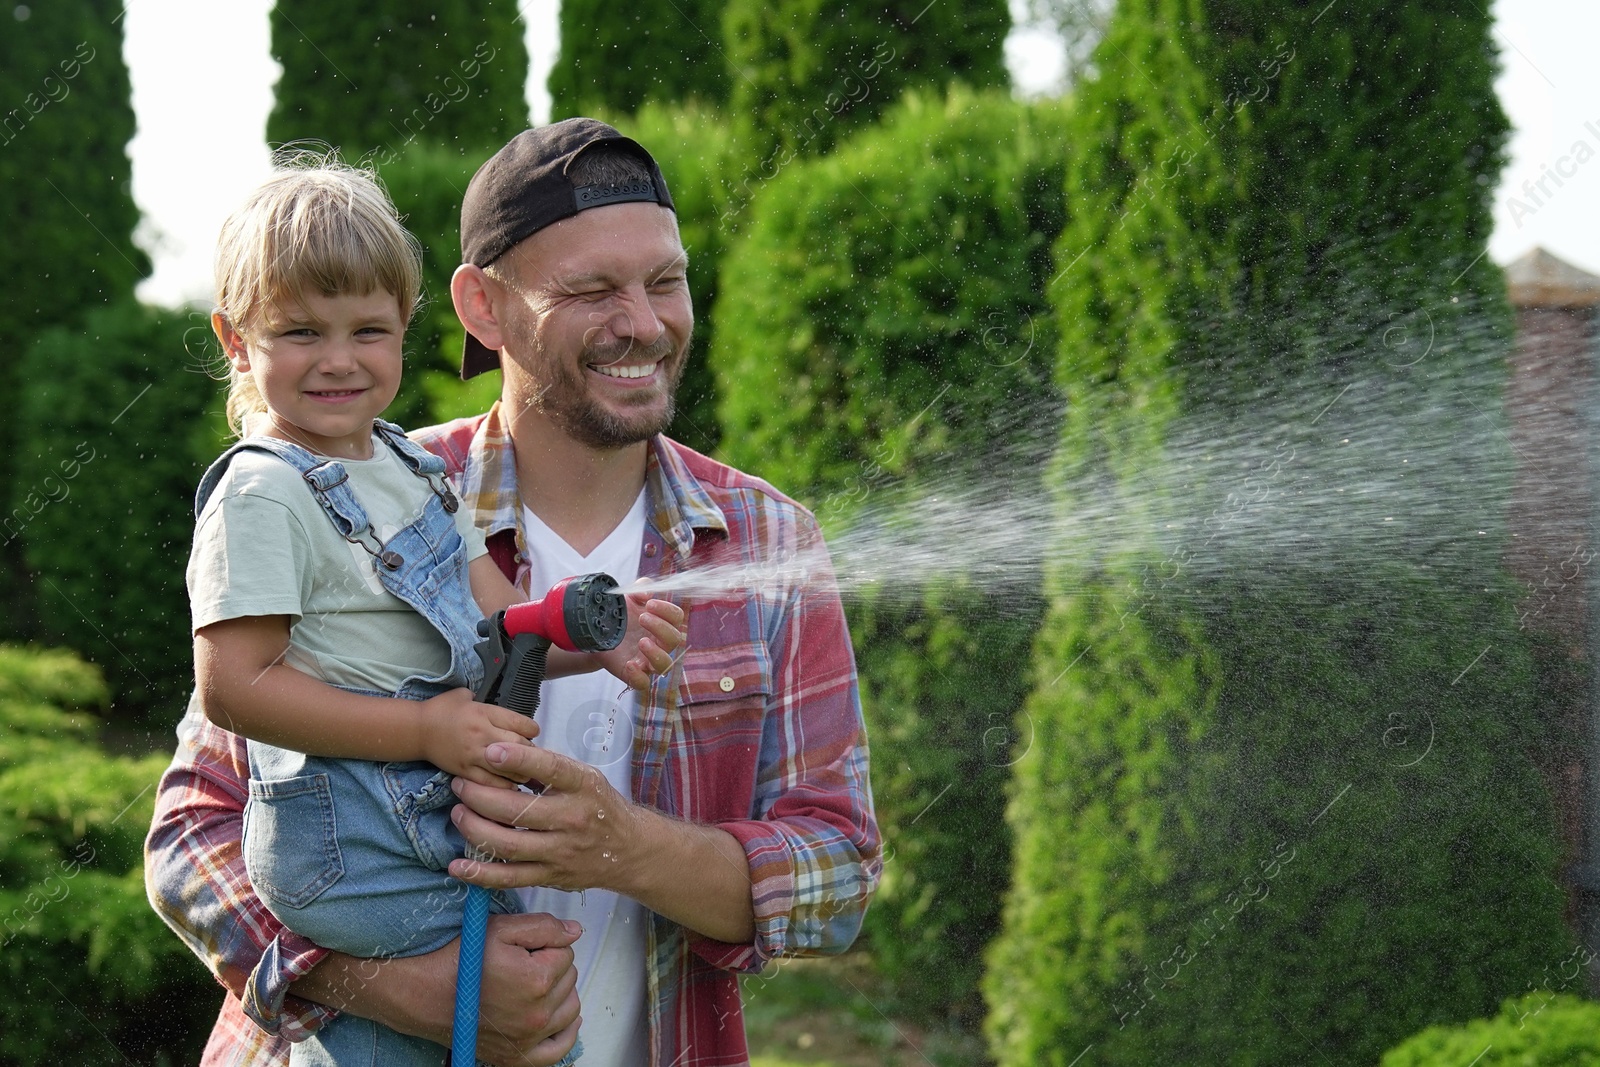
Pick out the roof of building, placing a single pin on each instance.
(1539, 279)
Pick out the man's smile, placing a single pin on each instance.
(620, 370)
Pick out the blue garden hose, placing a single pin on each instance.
(582, 614)
(469, 978)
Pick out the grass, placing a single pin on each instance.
(838, 1013)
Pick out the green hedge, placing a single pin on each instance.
(92, 976)
(1281, 808)
(1541, 1029)
(66, 205)
(883, 326)
(119, 420)
(427, 183)
(805, 75)
(382, 77)
(616, 61)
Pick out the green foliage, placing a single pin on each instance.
(65, 204)
(805, 74)
(118, 419)
(882, 324)
(1540, 1029)
(1268, 815)
(92, 974)
(427, 183)
(377, 78)
(613, 61)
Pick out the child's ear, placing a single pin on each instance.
(232, 341)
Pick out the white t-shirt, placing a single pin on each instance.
(591, 717)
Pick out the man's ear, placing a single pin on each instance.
(472, 291)
(232, 341)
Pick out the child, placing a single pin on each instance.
(333, 571)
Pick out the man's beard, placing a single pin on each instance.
(565, 400)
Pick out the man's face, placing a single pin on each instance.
(598, 320)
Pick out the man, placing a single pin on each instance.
(724, 821)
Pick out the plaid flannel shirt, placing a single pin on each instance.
(756, 730)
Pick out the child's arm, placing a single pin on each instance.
(246, 687)
(655, 631)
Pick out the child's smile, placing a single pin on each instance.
(326, 366)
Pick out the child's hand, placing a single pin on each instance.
(457, 729)
(655, 632)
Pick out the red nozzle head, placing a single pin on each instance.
(580, 614)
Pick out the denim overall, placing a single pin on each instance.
(353, 853)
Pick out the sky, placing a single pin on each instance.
(200, 146)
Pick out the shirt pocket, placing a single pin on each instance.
(724, 695)
(291, 845)
(713, 676)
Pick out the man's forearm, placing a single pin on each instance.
(529, 1006)
(697, 876)
(373, 989)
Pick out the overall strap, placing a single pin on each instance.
(419, 461)
(329, 483)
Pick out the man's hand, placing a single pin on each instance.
(585, 835)
(528, 1013)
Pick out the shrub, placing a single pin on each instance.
(92, 974)
(119, 422)
(615, 62)
(382, 77)
(427, 183)
(873, 339)
(65, 203)
(1541, 1029)
(1282, 800)
(805, 74)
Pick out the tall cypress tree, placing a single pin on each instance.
(383, 76)
(1280, 806)
(612, 62)
(65, 200)
(805, 74)
(884, 331)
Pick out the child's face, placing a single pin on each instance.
(327, 366)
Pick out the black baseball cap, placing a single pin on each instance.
(524, 187)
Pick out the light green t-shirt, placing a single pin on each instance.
(264, 546)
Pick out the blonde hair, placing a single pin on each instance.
(317, 225)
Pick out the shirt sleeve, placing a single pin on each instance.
(814, 846)
(195, 878)
(250, 557)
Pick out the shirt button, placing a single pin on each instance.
(650, 550)
(726, 684)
